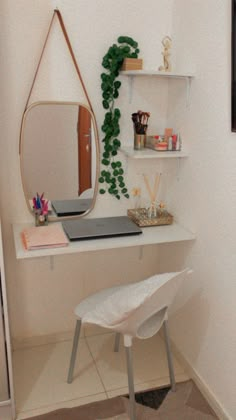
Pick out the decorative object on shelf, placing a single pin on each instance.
(141, 218)
(167, 43)
(136, 193)
(132, 64)
(168, 133)
(160, 143)
(40, 209)
(112, 178)
(152, 210)
(162, 208)
(140, 122)
(163, 143)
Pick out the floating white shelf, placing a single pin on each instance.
(155, 73)
(172, 75)
(151, 154)
(151, 236)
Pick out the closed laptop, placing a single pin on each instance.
(103, 227)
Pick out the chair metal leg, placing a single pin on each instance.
(74, 351)
(117, 342)
(130, 382)
(169, 357)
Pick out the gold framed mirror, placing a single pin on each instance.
(59, 156)
(59, 150)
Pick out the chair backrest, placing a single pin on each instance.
(138, 309)
(147, 319)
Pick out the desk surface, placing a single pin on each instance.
(150, 236)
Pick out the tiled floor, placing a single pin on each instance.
(40, 373)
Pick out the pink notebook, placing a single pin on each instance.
(51, 236)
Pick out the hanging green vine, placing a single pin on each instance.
(112, 177)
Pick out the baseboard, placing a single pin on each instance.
(5, 403)
(202, 386)
(27, 342)
(6, 410)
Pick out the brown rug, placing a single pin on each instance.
(187, 403)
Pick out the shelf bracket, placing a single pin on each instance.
(178, 169)
(131, 83)
(188, 91)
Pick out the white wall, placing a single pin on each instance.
(41, 300)
(204, 328)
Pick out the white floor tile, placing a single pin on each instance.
(156, 383)
(66, 404)
(149, 361)
(40, 375)
(94, 330)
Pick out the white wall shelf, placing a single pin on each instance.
(146, 153)
(155, 73)
(172, 75)
(150, 236)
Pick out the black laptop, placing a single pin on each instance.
(71, 207)
(104, 227)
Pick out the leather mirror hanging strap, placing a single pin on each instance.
(63, 28)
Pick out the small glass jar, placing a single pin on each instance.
(41, 219)
(139, 141)
(152, 211)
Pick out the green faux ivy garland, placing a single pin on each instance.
(112, 177)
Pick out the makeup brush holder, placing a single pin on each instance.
(139, 141)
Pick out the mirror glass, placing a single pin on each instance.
(59, 157)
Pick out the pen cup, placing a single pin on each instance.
(40, 219)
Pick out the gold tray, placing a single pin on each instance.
(140, 217)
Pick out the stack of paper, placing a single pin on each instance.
(51, 236)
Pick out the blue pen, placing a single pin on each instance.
(38, 202)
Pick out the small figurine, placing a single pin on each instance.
(167, 43)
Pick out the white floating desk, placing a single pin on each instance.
(150, 236)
